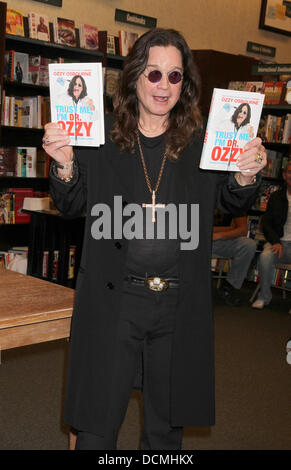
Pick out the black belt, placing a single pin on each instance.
(155, 283)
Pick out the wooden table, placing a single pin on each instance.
(32, 310)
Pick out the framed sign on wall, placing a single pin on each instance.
(276, 16)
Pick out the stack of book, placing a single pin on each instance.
(275, 163)
(27, 111)
(23, 162)
(15, 259)
(27, 68)
(274, 128)
(64, 32)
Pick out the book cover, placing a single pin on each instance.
(7, 214)
(6, 66)
(18, 101)
(8, 159)
(257, 87)
(233, 121)
(64, 32)
(110, 48)
(89, 37)
(30, 161)
(21, 162)
(38, 26)
(286, 137)
(33, 69)
(126, 41)
(20, 67)
(112, 76)
(14, 22)
(76, 93)
(20, 194)
(273, 92)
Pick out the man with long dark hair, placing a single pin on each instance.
(144, 287)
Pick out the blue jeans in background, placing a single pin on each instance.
(242, 251)
(267, 263)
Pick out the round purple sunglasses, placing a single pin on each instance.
(155, 76)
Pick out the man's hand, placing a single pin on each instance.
(277, 249)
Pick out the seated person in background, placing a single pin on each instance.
(230, 240)
(276, 225)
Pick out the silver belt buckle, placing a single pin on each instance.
(156, 284)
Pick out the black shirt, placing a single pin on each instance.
(154, 257)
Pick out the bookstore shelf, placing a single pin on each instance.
(45, 232)
(24, 44)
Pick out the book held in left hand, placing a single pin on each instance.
(233, 121)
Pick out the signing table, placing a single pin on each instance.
(32, 310)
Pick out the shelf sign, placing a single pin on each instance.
(261, 49)
(271, 69)
(56, 3)
(134, 18)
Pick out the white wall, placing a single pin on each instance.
(222, 25)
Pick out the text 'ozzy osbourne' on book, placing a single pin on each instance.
(76, 92)
(233, 121)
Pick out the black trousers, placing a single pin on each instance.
(145, 329)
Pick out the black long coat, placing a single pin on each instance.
(104, 173)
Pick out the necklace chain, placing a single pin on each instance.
(145, 168)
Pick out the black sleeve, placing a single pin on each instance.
(233, 198)
(71, 198)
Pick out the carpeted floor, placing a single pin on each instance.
(253, 385)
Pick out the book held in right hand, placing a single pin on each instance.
(233, 121)
(76, 93)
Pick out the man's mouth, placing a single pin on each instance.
(161, 98)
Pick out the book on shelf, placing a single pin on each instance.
(26, 162)
(15, 259)
(64, 32)
(33, 69)
(108, 43)
(110, 49)
(274, 164)
(6, 66)
(111, 80)
(7, 205)
(42, 164)
(126, 41)
(18, 66)
(72, 261)
(14, 22)
(23, 162)
(233, 121)
(257, 87)
(76, 97)
(273, 92)
(8, 159)
(26, 111)
(38, 26)
(89, 37)
(286, 136)
(287, 97)
(19, 195)
(275, 128)
(54, 257)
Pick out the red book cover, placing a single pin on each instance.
(20, 194)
